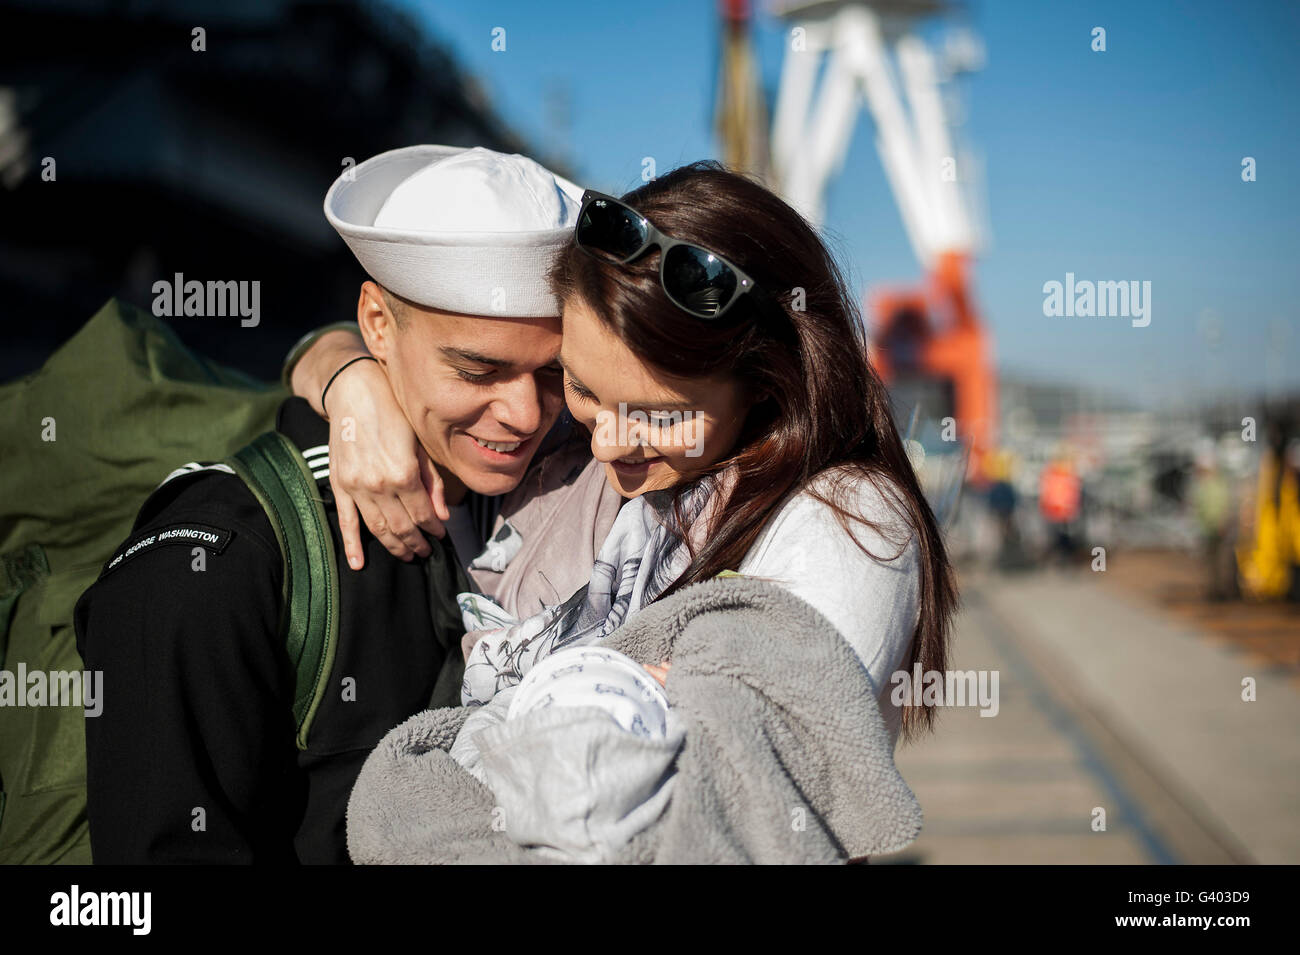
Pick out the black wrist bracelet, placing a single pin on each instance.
(326, 389)
(305, 345)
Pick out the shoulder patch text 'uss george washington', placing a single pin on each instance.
(193, 534)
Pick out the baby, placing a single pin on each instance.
(576, 787)
(580, 676)
(599, 677)
(576, 741)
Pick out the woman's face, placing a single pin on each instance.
(651, 430)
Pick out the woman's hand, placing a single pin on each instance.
(378, 467)
(660, 672)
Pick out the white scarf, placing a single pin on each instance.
(640, 558)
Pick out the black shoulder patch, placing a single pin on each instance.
(188, 533)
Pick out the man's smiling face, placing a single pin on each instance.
(480, 391)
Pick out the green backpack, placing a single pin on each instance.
(86, 439)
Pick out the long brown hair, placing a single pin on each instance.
(799, 346)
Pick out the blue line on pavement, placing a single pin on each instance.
(1092, 760)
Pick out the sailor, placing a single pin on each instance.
(194, 756)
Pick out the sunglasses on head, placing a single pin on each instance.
(699, 282)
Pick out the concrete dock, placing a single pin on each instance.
(1105, 703)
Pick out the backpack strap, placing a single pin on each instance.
(277, 474)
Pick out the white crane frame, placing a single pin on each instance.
(811, 139)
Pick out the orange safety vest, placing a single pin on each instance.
(1058, 494)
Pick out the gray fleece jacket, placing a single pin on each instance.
(783, 757)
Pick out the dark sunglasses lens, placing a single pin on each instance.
(697, 280)
(611, 229)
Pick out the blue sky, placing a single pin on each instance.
(1122, 165)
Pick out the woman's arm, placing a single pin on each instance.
(378, 469)
(874, 603)
(310, 371)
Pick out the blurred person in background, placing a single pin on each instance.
(1060, 498)
(1213, 507)
(1002, 502)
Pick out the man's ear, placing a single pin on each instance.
(376, 322)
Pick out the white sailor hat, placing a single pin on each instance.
(457, 229)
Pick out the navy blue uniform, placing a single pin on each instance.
(193, 758)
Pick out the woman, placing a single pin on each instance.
(711, 347)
